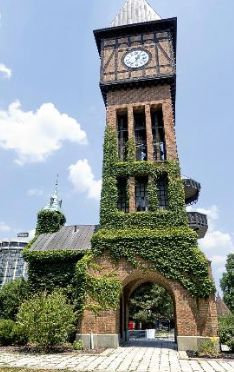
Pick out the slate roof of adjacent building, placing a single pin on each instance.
(222, 308)
(76, 238)
(135, 11)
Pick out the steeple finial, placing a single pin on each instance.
(135, 11)
(55, 203)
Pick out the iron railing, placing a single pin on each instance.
(198, 222)
(192, 190)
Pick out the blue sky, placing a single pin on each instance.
(49, 74)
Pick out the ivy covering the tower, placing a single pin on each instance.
(161, 237)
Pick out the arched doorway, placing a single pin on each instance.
(195, 318)
(147, 312)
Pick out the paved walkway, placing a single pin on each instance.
(141, 356)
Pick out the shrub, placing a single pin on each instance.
(20, 336)
(6, 332)
(208, 348)
(226, 330)
(11, 333)
(11, 297)
(78, 345)
(47, 319)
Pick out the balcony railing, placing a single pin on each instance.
(198, 222)
(192, 190)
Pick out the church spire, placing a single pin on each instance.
(55, 203)
(135, 11)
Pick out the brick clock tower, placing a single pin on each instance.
(145, 234)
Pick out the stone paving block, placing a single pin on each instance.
(141, 358)
(216, 366)
(206, 366)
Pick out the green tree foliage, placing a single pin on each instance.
(11, 297)
(149, 303)
(227, 283)
(226, 330)
(6, 332)
(47, 319)
(49, 221)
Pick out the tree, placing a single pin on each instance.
(149, 303)
(12, 295)
(227, 283)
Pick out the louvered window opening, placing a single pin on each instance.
(140, 136)
(122, 121)
(141, 194)
(122, 204)
(159, 145)
(162, 191)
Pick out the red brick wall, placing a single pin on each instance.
(194, 317)
(147, 97)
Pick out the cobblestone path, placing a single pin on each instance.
(140, 356)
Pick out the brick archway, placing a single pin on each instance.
(132, 282)
(195, 318)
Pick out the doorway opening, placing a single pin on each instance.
(147, 314)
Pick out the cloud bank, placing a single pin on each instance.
(34, 136)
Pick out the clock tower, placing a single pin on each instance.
(145, 234)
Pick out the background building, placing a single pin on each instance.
(12, 264)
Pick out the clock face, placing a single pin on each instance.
(136, 58)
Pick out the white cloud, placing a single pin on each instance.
(216, 244)
(36, 135)
(35, 192)
(4, 227)
(83, 180)
(32, 234)
(5, 71)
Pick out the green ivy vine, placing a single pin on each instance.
(49, 221)
(161, 237)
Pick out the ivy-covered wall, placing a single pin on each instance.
(161, 237)
(71, 271)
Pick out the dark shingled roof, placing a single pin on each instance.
(69, 238)
(222, 308)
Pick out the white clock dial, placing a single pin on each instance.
(136, 58)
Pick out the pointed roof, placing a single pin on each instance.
(55, 203)
(135, 11)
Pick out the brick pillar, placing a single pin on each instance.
(207, 317)
(149, 134)
(170, 137)
(130, 122)
(111, 118)
(131, 192)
